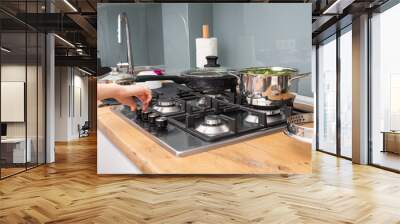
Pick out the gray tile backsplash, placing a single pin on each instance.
(249, 34)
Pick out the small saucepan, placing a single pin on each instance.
(267, 86)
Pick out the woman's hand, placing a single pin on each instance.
(124, 94)
(141, 92)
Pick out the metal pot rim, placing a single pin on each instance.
(291, 71)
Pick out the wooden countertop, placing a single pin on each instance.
(272, 154)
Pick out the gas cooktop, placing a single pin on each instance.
(187, 122)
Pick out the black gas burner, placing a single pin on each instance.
(186, 121)
(274, 108)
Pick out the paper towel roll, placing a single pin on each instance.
(205, 47)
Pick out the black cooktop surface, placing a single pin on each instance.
(187, 122)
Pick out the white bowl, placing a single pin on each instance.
(149, 84)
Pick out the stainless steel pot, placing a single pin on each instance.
(268, 86)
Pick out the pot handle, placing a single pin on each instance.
(175, 78)
(298, 76)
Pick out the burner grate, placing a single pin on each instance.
(180, 135)
(192, 113)
(232, 115)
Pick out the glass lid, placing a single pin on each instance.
(209, 72)
(211, 69)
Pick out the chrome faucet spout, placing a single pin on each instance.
(123, 18)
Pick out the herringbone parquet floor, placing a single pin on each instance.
(69, 191)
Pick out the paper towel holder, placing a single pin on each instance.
(206, 33)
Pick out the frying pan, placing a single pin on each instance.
(199, 80)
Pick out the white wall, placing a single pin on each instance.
(80, 104)
(61, 103)
(82, 82)
(16, 73)
(33, 126)
(71, 95)
(12, 73)
(13, 101)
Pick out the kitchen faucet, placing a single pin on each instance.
(123, 18)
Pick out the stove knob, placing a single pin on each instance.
(138, 113)
(152, 118)
(145, 115)
(161, 122)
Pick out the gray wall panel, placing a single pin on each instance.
(248, 35)
(265, 35)
(109, 50)
(199, 14)
(155, 44)
(176, 36)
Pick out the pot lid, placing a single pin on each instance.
(208, 72)
(270, 71)
(211, 69)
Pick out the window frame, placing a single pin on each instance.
(337, 35)
(379, 10)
